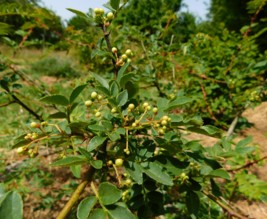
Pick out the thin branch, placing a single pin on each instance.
(231, 212)
(76, 195)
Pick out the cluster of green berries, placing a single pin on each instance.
(94, 97)
(183, 178)
(125, 57)
(255, 96)
(32, 152)
(101, 18)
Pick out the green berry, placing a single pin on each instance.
(129, 53)
(88, 103)
(97, 114)
(119, 162)
(114, 50)
(164, 122)
(131, 106)
(114, 110)
(110, 16)
(124, 57)
(94, 94)
(99, 97)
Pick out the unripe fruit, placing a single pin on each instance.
(165, 118)
(34, 136)
(109, 163)
(107, 24)
(131, 106)
(128, 182)
(35, 125)
(114, 110)
(101, 10)
(126, 151)
(97, 114)
(155, 110)
(88, 103)
(161, 131)
(97, 11)
(164, 122)
(93, 94)
(110, 16)
(148, 107)
(21, 150)
(129, 53)
(119, 162)
(124, 57)
(134, 124)
(114, 50)
(129, 60)
(99, 97)
(44, 123)
(145, 105)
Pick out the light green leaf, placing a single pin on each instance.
(122, 98)
(120, 212)
(56, 99)
(76, 170)
(121, 72)
(97, 164)
(78, 13)
(101, 80)
(75, 93)
(220, 173)
(70, 160)
(179, 101)
(12, 206)
(135, 171)
(85, 207)
(95, 142)
(98, 214)
(125, 78)
(108, 193)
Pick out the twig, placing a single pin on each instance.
(226, 207)
(232, 127)
(248, 164)
(76, 195)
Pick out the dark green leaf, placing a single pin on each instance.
(78, 13)
(56, 99)
(115, 4)
(97, 128)
(125, 78)
(108, 193)
(192, 203)
(75, 93)
(122, 98)
(58, 115)
(12, 206)
(95, 142)
(85, 207)
(70, 160)
(114, 88)
(21, 143)
(155, 171)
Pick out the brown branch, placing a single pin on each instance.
(207, 104)
(75, 196)
(231, 212)
(251, 163)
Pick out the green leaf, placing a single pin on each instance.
(12, 206)
(56, 99)
(179, 101)
(108, 193)
(98, 214)
(97, 128)
(78, 13)
(192, 203)
(135, 171)
(101, 53)
(97, 164)
(95, 142)
(121, 72)
(115, 4)
(76, 170)
(155, 171)
(120, 212)
(85, 207)
(76, 92)
(101, 80)
(21, 143)
(219, 173)
(114, 88)
(125, 78)
(69, 161)
(122, 98)
(58, 115)
(243, 143)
